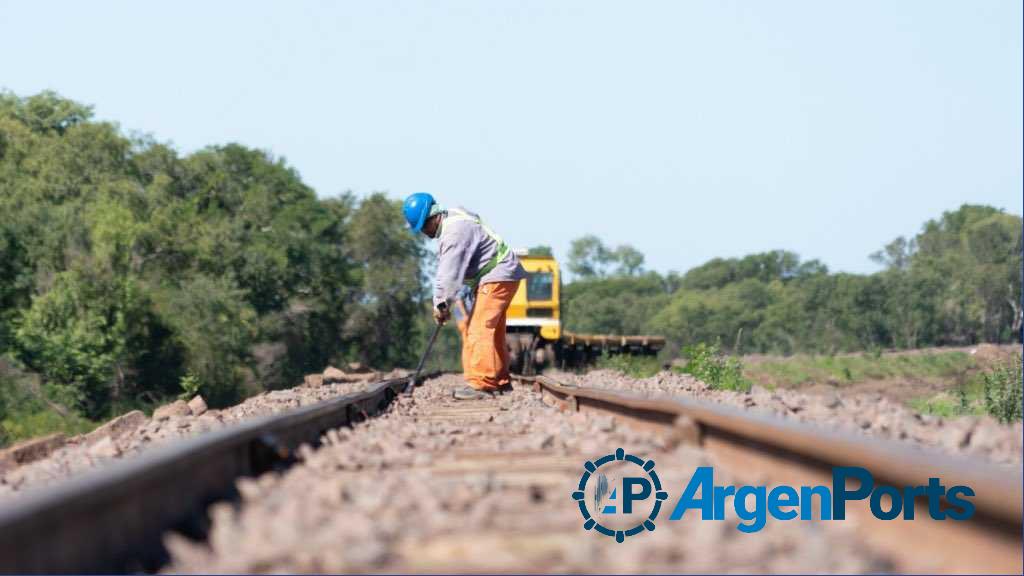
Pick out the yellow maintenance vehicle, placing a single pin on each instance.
(534, 332)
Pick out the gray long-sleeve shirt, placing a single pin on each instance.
(463, 248)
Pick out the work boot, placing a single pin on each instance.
(469, 393)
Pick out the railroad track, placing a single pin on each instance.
(776, 451)
(435, 485)
(112, 520)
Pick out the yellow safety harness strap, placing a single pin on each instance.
(499, 255)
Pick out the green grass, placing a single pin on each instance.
(632, 366)
(973, 389)
(190, 386)
(948, 405)
(719, 372)
(839, 370)
(17, 427)
(1002, 391)
(23, 412)
(704, 362)
(996, 392)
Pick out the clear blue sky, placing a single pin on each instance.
(687, 129)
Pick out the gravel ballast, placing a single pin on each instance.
(869, 414)
(134, 433)
(436, 485)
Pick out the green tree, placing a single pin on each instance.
(588, 257)
(45, 112)
(82, 335)
(390, 284)
(630, 261)
(118, 260)
(214, 329)
(959, 279)
(616, 305)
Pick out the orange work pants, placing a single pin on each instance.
(484, 355)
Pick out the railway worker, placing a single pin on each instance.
(473, 261)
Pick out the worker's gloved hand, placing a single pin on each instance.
(441, 314)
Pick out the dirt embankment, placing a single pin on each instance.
(987, 355)
(872, 414)
(899, 375)
(43, 461)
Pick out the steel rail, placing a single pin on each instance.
(759, 445)
(113, 520)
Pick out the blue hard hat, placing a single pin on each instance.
(417, 209)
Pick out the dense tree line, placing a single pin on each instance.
(956, 282)
(125, 267)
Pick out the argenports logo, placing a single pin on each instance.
(633, 489)
(625, 496)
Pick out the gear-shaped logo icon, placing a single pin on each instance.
(649, 486)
